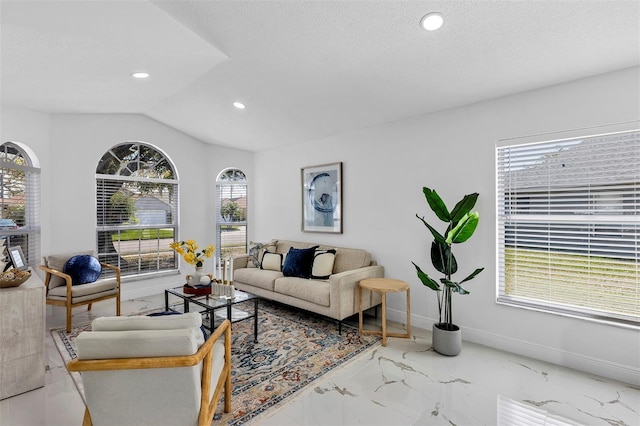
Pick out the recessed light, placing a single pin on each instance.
(140, 75)
(239, 105)
(432, 21)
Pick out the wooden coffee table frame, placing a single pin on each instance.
(384, 286)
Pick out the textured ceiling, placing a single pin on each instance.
(305, 69)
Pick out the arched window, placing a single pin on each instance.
(137, 209)
(19, 202)
(231, 213)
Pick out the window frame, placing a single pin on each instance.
(134, 170)
(221, 183)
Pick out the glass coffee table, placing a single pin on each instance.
(219, 307)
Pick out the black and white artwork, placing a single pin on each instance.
(322, 198)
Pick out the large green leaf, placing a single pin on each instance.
(454, 286)
(464, 206)
(440, 258)
(436, 204)
(438, 236)
(426, 280)
(472, 275)
(464, 229)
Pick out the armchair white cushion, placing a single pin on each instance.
(153, 370)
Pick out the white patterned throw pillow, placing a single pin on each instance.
(323, 264)
(271, 261)
(257, 250)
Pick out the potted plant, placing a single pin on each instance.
(461, 224)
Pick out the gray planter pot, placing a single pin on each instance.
(447, 342)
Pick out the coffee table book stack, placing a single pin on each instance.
(215, 287)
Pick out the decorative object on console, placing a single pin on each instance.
(189, 251)
(14, 277)
(17, 257)
(322, 198)
(461, 224)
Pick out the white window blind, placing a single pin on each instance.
(136, 209)
(569, 226)
(231, 213)
(19, 203)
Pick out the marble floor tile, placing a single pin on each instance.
(404, 383)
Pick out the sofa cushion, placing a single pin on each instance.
(167, 320)
(299, 262)
(84, 292)
(83, 269)
(261, 278)
(257, 250)
(137, 343)
(314, 291)
(271, 261)
(323, 264)
(348, 259)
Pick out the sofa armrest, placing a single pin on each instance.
(344, 290)
(239, 261)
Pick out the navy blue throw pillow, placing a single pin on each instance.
(298, 262)
(83, 269)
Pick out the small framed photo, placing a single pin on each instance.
(17, 258)
(322, 198)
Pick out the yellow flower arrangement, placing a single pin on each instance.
(189, 250)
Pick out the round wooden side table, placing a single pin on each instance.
(384, 286)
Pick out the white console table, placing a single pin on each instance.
(22, 324)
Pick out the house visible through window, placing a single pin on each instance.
(137, 206)
(569, 226)
(19, 202)
(231, 212)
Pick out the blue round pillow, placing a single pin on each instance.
(83, 269)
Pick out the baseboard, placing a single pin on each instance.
(545, 353)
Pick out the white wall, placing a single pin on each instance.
(70, 146)
(384, 170)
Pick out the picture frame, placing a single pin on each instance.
(17, 257)
(322, 198)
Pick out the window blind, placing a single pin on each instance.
(19, 203)
(231, 214)
(569, 226)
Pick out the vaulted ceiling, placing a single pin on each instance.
(304, 69)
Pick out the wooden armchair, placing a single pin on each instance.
(146, 374)
(61, 290)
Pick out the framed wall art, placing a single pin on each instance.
(322, 198)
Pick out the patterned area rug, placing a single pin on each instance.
(294, 349)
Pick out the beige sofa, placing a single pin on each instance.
(335, 297)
